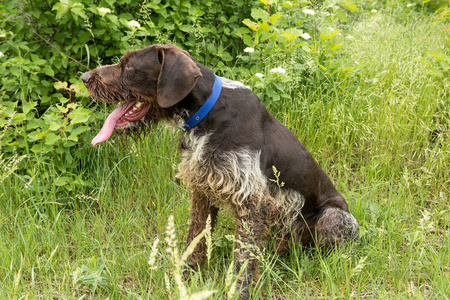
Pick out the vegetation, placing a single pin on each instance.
(364, 85)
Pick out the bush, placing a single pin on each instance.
(47, 45)
(304, 33)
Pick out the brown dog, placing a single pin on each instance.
(230, 145)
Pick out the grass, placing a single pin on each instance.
(383, 136)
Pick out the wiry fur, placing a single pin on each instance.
(227, 159)
(228, 177)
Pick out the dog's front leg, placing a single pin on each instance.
(200, 210)
(250, 232)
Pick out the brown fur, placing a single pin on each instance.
(227, 160)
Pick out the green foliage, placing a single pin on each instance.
(92, 276)
(46, 45)
(303, 32)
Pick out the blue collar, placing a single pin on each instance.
(207, 106)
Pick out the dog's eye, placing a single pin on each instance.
(128, 67)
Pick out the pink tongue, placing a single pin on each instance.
(108, 128)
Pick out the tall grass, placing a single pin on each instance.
(382, 135)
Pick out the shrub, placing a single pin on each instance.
(47, 45)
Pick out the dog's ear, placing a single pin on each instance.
(177, 77)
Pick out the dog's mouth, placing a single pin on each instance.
(121, 118)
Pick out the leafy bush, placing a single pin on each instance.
(303, 32)
(47, 45)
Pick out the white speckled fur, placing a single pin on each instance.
(231, 177)
(231, 84)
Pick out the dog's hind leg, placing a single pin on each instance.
(200, 210)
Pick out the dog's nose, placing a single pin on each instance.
(85, 77)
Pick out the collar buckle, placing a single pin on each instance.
(207, 106)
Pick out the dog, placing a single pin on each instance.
(234, 155)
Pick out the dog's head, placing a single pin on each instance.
(146, 83)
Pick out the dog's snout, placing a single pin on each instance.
(85, 77)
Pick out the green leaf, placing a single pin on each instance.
(241, 31)
(350, 5)
(250, 24)
(51, 139)
(233, 19)
(34, 136)
(259, 14)
(60, 85)
(341, 15)
(187, 28)
(55, 125)
(73, 137)
(324, 36)
(35, 123)
(37, 148)
(113, 19)
(227, 57)
(264, 26)
(335, 47)
(79, 11)
(79, 115)
(61, 9)
(63, 100)
(291, 33)
(19, 117)
(248, 41)
(15, 71)
(63, 180)
(39, 61)
(274, 18)
(28, 106)
(72, 105)
(49, 71)
(79, 130)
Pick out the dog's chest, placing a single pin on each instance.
(226, 177)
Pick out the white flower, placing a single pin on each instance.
(278, 70)
(1, 54)
(306, 36)
(308, 11)
(249, 50)
(259, 75)
(2, 35)
(103, 10)
(134, 24)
